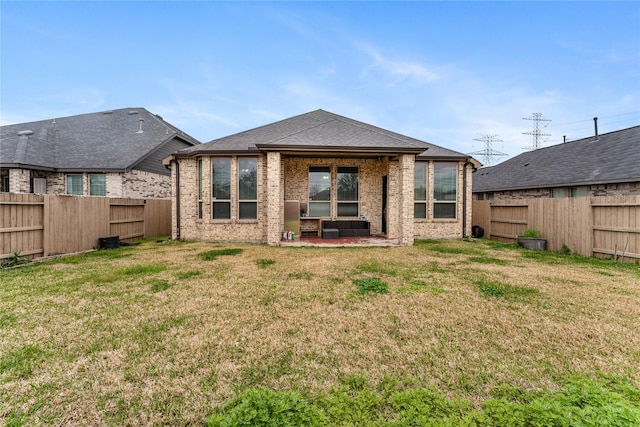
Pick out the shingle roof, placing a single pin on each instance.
(106, 141)
(320, 131)
(612, 157)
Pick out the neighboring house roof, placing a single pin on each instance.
(609, 158)
(321, 132)
(108, 141)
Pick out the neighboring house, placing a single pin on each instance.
(601, 165)
(111, 153)
(236, 187)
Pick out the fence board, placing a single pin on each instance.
(43, 225)
(21, 224)
(586, 225)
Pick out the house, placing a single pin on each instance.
(319, 166)
(110, 153)
(600, 165)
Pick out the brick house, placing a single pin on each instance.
(236, 188)
(600, 165)
(111, 153)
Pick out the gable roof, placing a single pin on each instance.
(320, 131)
(115, 140)
(609, 158)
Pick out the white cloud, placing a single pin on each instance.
(399, 70)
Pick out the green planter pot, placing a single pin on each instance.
(534, 243)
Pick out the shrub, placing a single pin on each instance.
(531, 233)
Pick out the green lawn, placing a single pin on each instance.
(442, 333)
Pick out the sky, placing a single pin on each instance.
(449, 73)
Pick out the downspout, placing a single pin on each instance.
(464, 197)
(177, 199)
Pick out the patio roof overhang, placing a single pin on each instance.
(338, 151)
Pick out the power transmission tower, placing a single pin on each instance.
(488, 153)
(537, 130)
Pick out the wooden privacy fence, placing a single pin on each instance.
(589, 226)
(44, 225)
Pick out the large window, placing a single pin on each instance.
(347, 191)
(98, 185)
(319, 191)
(221, 188)
(248, 188)
(74, 185)
(420, 190)
(444, 190)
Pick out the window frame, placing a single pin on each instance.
(421, 202)
(214, 199)
(345, 202)
(91, 184)
(68, 183)
(438, 203)
(246, 201)
(323, 202)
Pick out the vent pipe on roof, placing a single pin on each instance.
(564, 139)
(140, 130)
(595, 125)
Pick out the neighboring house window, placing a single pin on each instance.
(559, 193)
(247, 188)
(319, 191)
(221, 188)
(74, 185)
(582, 191)
(39, 185)
(489, 196)
(444, 190)
(199, 188)
(97, 185)
(347, 191)
(420, 190)
(4, 181)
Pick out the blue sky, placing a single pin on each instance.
(444, 72)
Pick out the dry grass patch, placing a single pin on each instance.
(156, 334)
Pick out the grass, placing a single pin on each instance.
(467, 332)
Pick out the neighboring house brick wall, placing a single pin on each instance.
(19, 180)
(141, 185)
(134, 184)
(611, 190)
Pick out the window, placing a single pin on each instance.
(74, 185)
(347, 191)
(97, 185)
(4, 181)
(444, 190)
(199, 188)
(221, 188)
(582, 191)
(559, 193)
(319, 191)
(420, 190)
(248, 188)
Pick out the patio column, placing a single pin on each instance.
(275, 198)
(405, 199)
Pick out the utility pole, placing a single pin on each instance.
(537, 133)
(488, 153)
